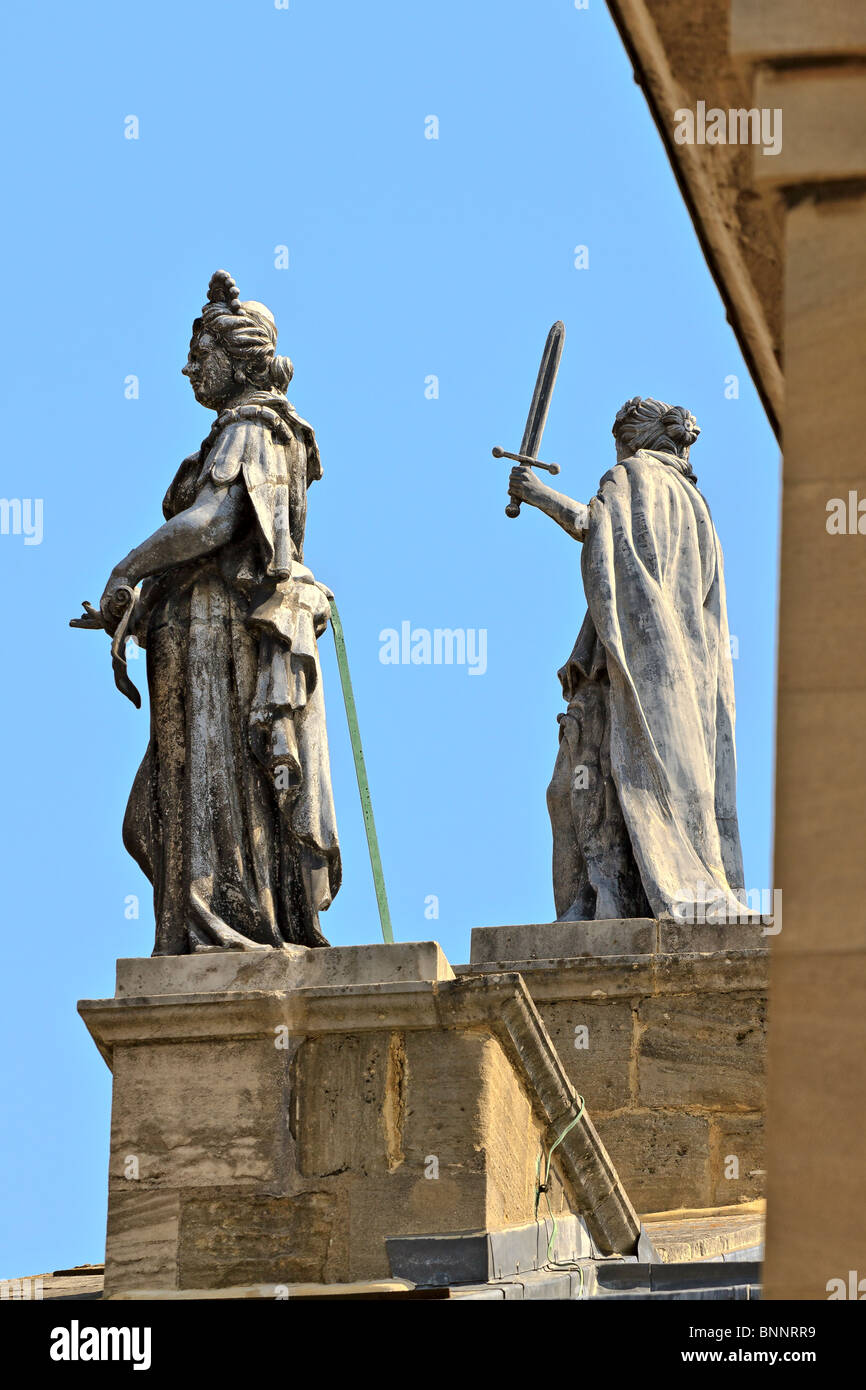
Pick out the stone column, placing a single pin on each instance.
(811, 64)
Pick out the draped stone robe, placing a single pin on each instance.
(231, 815)
(643, 796)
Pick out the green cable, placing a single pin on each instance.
(361, 774)
(543, 1187)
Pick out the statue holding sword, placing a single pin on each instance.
(643, 795)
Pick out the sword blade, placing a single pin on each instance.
(545, 381)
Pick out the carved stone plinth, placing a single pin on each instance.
(278, 1115)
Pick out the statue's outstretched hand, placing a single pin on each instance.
(90, 618)
(526, 486)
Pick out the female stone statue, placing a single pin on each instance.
(643, 796)
(231, 814)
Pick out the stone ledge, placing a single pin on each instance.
(624, 977)
(707, 1236)
(274, 1293)
(620, 1280)
(617, 938)
(293, 967)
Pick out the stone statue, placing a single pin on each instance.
(231, 815)
(643, 796)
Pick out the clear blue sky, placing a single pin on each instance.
(409, 257)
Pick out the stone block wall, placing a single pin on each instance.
(668, 1050)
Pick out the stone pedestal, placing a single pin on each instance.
(278, 1116)
(661, 1026)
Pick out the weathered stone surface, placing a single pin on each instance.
(707, 1235)
(406, 1106)
(687, 938)
(210, 972)
(660, 1153)
(368, 1288)
(142, 1237)
(740, 1138)
(407, 1203)
(236, 1238)
(514, 1141)
(340, 1086)
(199, 1114)
(722, 972)
(682, 1032)
(589, 977)
(595, 1042)
(727, 967)
(289, 967)
(702, 1051)
(619, 937)
(563, 940)
(825, 125)
(795, 29)
(443, 1114)
(436, 1108)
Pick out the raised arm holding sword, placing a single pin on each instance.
(523, 485)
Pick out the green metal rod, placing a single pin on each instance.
(361, 774)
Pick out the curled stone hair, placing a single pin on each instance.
(645, 423)
(247, 332)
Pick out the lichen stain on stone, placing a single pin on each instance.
(394, 1102)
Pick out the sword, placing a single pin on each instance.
(537, 417)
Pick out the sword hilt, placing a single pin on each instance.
(513, 508)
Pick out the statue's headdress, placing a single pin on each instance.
(247, 331)
(223, 290)
(646, 423)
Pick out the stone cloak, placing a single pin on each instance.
(232, 815)
(657, 622)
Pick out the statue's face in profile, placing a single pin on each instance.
(209, 369)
